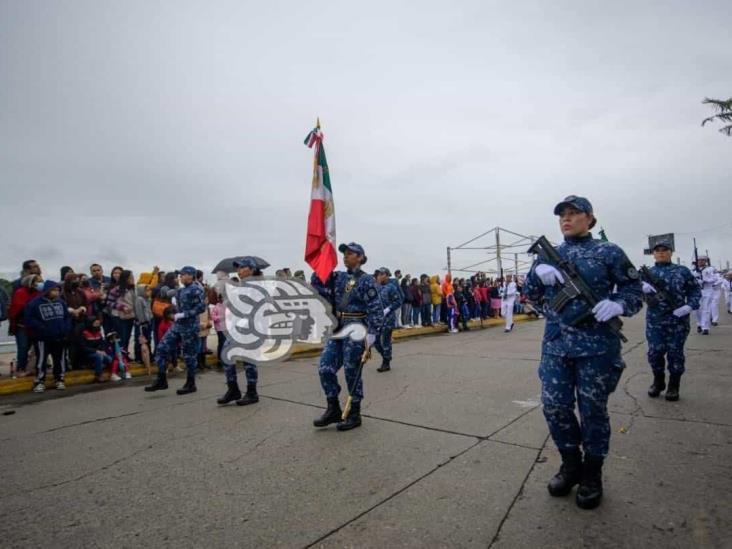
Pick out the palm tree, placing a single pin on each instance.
(724, 113)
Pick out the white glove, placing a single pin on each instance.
(607, 309)
(370, 340)
(548, 275)
(174, 302)
(682, 311)
(648, 289)
(178, 316)
(387, 311)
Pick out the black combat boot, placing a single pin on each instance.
(570, 473)
(353, 420)
(385, 366)
(189, 387)
(250, 397)
(160, 383)
(332, 413)
(698, 329)
(659, 384)
(705, 332)
(674, 381)
(589, 492)
(232, 393)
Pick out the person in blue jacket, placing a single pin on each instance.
(47, 317)
(581, 359)
(392, 299)
(667, 321)
(190, 303)
(355, 299)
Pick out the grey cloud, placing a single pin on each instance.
(171, 133)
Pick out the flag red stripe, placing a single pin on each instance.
(319, 252)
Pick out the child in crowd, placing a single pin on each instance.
(48, 319)
(95, 347)
(120, 364)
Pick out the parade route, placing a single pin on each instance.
(453, 452)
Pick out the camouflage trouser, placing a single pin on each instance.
(339, 353)
(589, 380)
(383, 343)
(167, 349)
(666, 341)
(250, 370)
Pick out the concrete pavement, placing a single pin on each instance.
(453, 453)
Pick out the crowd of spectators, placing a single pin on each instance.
(91, 320)
(427, 299)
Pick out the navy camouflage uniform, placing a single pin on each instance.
(250, 371)
(190, 301)
(363, 306)
(583, 362)
(391, 298)
(665, 333)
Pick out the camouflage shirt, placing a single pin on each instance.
(610, 274)
(353, 293)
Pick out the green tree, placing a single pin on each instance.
(724, 114)
(6, 285)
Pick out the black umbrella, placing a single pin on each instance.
(227, 264)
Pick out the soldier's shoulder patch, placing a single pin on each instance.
(371, 293)
(632, 273)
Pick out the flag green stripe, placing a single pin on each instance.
(323, 163)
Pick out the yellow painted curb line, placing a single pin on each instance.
(85, 377)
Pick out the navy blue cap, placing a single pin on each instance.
(188, 270)
(356, 248)
(663, 244)
(384, 270)
(245, 262)
(578, 202)
(49, 285)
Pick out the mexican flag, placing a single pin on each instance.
(320, 244)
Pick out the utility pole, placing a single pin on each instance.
(498, 252)
(515, 264)
(449, 264)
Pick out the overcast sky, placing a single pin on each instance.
(171, 133)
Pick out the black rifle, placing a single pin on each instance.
(662, 295)
(573, 287)
(696, 258)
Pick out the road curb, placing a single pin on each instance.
(86, 377)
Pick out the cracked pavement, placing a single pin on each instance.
(453, 452)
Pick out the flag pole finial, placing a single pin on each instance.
(317, 123)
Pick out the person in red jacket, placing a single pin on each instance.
(165, 324)
(29, 288)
